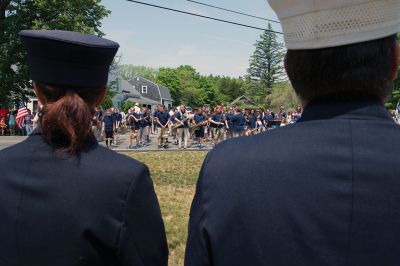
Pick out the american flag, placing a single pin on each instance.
(22, 112)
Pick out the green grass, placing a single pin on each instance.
(175, 175)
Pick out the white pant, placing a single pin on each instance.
(183, 132)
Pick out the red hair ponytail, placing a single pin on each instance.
(66, 120)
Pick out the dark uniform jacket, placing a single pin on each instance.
(98, 208)
(323, 192)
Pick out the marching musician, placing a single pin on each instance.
(216, 125)
(108, 128)
(228, 123)
(182, 118)
(163, 120)
(267, 119)
(134, 121)
(200, 121)
(252, 123)
(145, 126)
(238, 122)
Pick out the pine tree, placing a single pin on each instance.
(266, 64)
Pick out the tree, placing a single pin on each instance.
(395, 95)
(76, 15)
(266, 63)
(169, 78)
(126, 106)
(230, 87)
(128, 72)
(283, 94)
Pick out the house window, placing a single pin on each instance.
(144, 89)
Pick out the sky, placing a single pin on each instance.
(158, 38)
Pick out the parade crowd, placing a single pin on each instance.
(183, 126)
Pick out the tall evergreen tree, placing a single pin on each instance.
(266, 63)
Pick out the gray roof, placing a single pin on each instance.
(165, 94)
(125, 86)
(142, 100)
(243, 98)
(164, 91)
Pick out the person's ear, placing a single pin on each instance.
(285, 63)
(102, 96)
(39, 94)
(395, 60)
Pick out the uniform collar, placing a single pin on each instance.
(367, 109)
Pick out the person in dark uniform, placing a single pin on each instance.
(238, 122)
(329, 193)
(200, 119)
(228, 123)
(252, 123)
(163, 120)
(108, 127)
(216, 125)
(61, 202)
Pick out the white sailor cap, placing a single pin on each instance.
(314, 24)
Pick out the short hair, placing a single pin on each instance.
(348, 72)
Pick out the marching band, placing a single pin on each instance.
(199, 126)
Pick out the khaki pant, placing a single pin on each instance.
(216, 133)
(162, 133)
(183, 133)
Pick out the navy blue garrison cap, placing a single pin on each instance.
(68, 59)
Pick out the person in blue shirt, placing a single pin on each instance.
(252, 123)
(145, 125)
(154, 119)
(200, 119)
(173, 131)
(268, 118)
(238, 121)
(228, 122)
(163, 120)
(108, 127)
(216, 124)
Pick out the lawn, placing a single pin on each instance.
(174, 175)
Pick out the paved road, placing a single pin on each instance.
(7, 141)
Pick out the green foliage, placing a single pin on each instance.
(126, 106)
(266, 66)
(395, 95)
(76, 15)
(230, 87)
(128, 72)
(107, 103)
(282, 94)
(169, 78)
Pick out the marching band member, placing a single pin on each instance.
(238, 121)
(216, 124)
(252, 123)
(163, 120)
(200, 120)
(108, 128)
(182, 118)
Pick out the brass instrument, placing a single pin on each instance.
(180, 123)
(198, 126)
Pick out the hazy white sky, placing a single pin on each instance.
(155, 38)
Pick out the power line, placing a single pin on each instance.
(232, 11)
(207, 17)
